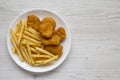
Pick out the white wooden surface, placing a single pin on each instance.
(95, 29)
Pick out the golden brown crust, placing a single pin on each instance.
(56, 50)
(61, 33)
(47, 27)
(33, 21)
(58, 36)
(54, 40)
(46, 30)
(49, 20)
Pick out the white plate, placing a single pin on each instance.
(66, 43)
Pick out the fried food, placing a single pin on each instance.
(56, 50)
(47, 27)
(58, 36)
(49, 20)
(61, 33)
(46, 30)
(33, 21)
(30, 49)
(38, 41)
(54, 40)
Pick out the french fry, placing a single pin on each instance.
(29, 52)
(13, 36)
(31, 29)
(33, 32)
(13, 50)
(51, 59)
(17, 34)
(38, 63)
(18, 27)
(21, 33)
(31, 35)
(25, 24)
(23, 53)
(32, 40)
(30, 43)
(35, 45)
(17, 49)
(27, 56)
(35, 51)
(41, 56)
(44, 51)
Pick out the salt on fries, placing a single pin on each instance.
(27, 45)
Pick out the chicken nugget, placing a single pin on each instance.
(46, 30)
(47, 27)
(49, 20)
(61, 33)
(56, 50)
(58, 36)
(54, 40)
(33, 21)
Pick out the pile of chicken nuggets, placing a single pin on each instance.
(49, 36)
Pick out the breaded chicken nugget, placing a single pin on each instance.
(47, 27)
(49, 20)
(54, 40)
(58, 36)
(33, 21)
(46, 30)
(61, 33)
(56, 50)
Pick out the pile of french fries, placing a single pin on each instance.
(27, 45)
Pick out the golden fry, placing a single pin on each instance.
(32, 40)
(31, 35)
(35, 51)
(33, 31)
(51, 59)
(13, 35)
(21, 33)
(23, 53)
(29, 52)
(19, 25)
(23, 42)
(44, 51)
(17, 34)
(38, 63)
(41, 56)
(27, 56)
(25, 24)
(17, 49)
(13, 50)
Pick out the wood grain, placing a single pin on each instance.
(95, 29)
